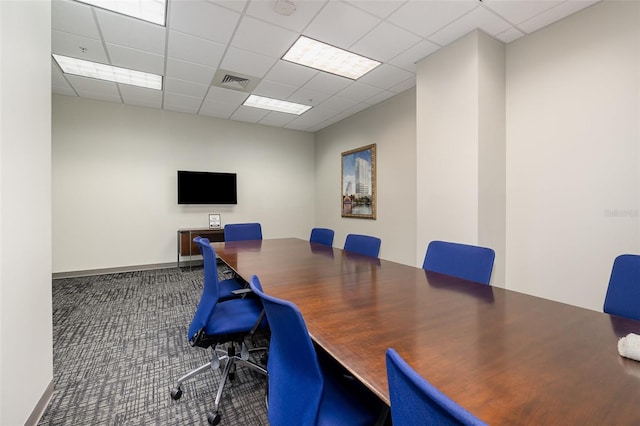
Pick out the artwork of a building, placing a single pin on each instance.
(363, 177)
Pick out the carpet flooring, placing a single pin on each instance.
(119, 346)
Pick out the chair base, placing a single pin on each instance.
(230, 359)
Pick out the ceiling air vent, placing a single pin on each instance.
(235, 81)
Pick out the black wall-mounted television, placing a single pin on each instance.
(207, 188)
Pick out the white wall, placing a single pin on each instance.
(492, 173)
(461, 147)
(114, 180)
(26, 358)
(572, 153)
(447, 145)
(391, 126)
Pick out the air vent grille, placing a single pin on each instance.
(234, 80)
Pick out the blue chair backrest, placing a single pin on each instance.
(414, 401)
(295, 378)
(209, 297)
(242, 231)
(623, 293)
(460, 260)
(362, 244)
(322, 236)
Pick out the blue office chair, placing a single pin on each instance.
(301, 390)
(217, 324)
(226, 288)
(242, 231)
(322, 236)
(460, 260)
(363, 244)
(623, 293)
(414, 401)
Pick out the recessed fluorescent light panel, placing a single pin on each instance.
(275, 105)
(324, 57)
(147, 10)
(108, 72)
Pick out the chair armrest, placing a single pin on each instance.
(241, 291)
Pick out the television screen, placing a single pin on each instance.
(206, 188)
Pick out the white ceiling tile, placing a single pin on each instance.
(237, 5)
(260, 37)
(188, 88)
(203, 19)
(313, 117)
(249, 114)
(318, 114)
(308, 97)
(246, 62)
(135, 59)
(73, 17)
(248, 37)
(66, 91)
(381, 9)
(296, 125)
(328, 83)
(94, 89)
(278, 119)
(189, 71)
(290, 73)
(479, 18)
(509, 35)
(273, 89)
(141, 96)
(384, 42)
(352, 24)
(181, 103)
(353, 110)
(359, 92)
(407, 60)
(229, 96)
(385, 76)
(305, 11)
(131, 32)
(405, 85)
(304, 123)
(194, 49)
(521, 10)
(213, 108)
(382, 96)
(70, 45)
(338, 104)
(552, 15)
(326, 123)
(427, 17)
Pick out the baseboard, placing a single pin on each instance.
(40, 407)
(133, 268)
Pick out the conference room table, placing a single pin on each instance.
(507, 357)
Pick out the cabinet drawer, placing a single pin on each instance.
(186, 239)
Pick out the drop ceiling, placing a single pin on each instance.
(248, 38)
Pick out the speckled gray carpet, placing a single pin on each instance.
(119, 345)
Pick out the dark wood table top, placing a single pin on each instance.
(507, 357)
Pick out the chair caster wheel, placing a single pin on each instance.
(213, 418)
(176, 393)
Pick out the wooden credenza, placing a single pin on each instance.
(186, 246)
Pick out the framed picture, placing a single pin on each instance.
(359, 183)
(214, 221)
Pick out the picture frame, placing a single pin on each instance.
(214, 221)
(358, 183)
